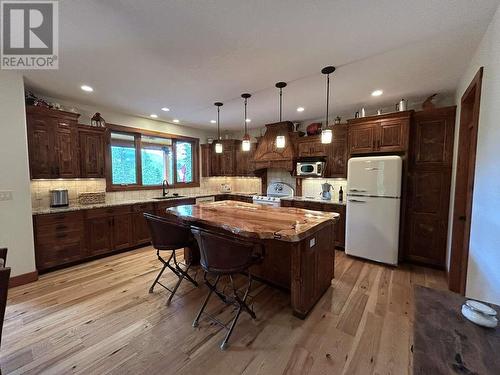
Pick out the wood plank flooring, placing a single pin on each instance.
(98, 318)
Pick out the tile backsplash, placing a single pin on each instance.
(40, 197)
(311, 187)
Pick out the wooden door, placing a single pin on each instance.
(428, 186)
(206, 160)
(40, 146)
(65, 147)
(428, 197)
(92, 153)
(362, 138)
(99, 235)
(140, 227)
(122, 231)
(336, 162)
(464, 187)
(392, 136)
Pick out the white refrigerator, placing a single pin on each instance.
(373, 205)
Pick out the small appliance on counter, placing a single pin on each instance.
(325, 193)
(225, 188)
(313, 168)
(59, 198)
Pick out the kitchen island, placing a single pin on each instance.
(298, 243)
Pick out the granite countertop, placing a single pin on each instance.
(315, 199)
(77, 207)
(287, 224)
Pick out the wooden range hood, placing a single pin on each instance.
(268, 156)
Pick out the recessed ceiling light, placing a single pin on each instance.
(213, 121)
(152, 115)
(300, 109)
(377, 93)
(165, 109)
(175, 120)
(248, 120)
(86, 88)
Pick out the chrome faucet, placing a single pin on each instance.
(165, 185)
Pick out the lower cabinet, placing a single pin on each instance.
(328, 207)
(70, 237)
(59, 239)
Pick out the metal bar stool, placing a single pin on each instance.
(167, 235)
(222, 255)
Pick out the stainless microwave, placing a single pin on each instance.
(310, 168)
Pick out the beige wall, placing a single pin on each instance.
(483, 273)
(16, 230)
(87, 111)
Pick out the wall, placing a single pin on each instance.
(208, 185)
(16, 228)
(483, 273)
(87, 111)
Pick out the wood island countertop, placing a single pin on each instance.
(256, 221)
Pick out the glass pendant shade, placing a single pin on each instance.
(218, 148)
(326, 136)
(245, 145)
(280, 141)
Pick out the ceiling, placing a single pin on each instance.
(140, 56)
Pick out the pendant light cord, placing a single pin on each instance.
(327, 97)
(218, 123)
(245, 119)
(281, 101)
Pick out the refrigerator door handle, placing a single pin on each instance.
(372, 169)
(357, 190)
(356, 201)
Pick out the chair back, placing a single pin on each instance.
(4, 286)
(3, 257)
(222, 254)
(167, 234)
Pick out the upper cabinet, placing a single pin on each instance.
(231, 162)
(52, 143)
(92, 151)
(60, 148)
(311, 146)
(336, 161)
(379, 134)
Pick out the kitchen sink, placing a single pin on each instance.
(170, 197)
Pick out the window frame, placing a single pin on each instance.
(138, 133)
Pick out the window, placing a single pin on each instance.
(142, 159)
(123, 159)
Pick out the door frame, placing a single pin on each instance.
(464, 184)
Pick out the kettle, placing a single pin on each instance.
(402, 105)
(325, 194)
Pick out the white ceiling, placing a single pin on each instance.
(140, 56)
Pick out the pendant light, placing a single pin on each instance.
(280, 139)
(327, 134)
(245, 144)
(218, 144)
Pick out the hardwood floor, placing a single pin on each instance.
(98, 318)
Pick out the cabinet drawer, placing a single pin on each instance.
(108, 211)
(62, 227)
(63, 218)
(58, 238)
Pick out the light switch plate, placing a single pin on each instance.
(312, 242)
(5, 195)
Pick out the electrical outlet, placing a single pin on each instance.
(5, 195)
(312, 242)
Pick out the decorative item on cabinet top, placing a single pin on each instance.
(98, 121)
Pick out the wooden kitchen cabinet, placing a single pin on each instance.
(140, 227)
(231, 162)
(59, 239)
(429, 180)
(52, 143)
(339, 229)
(379, 134)
(336, 160)
(310, 147)
(92, 151)
(99, 235)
